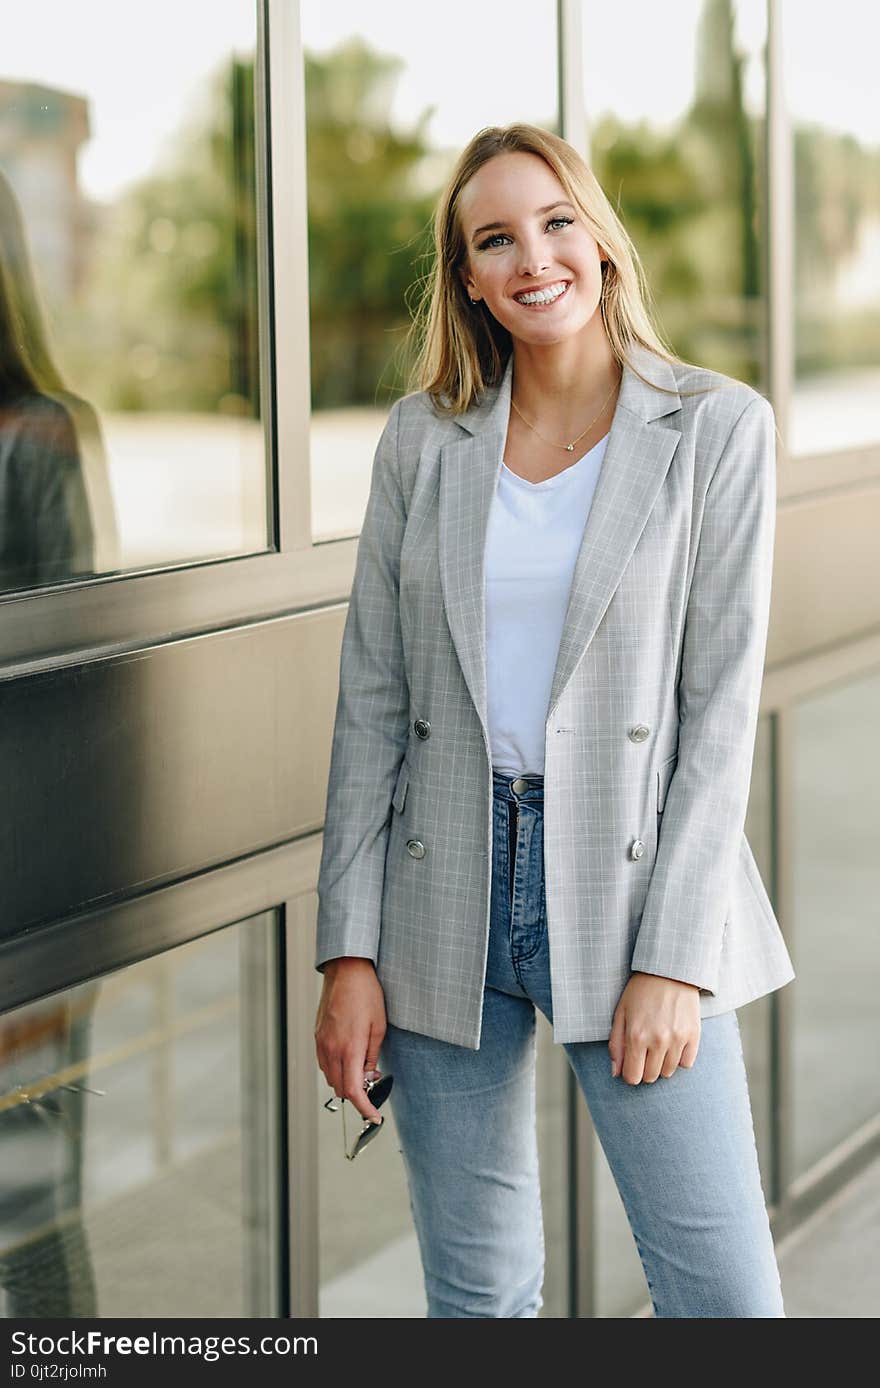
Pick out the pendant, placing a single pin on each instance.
(569, 448)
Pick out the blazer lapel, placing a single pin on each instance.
(637, 458)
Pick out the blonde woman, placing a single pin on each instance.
(540, 768)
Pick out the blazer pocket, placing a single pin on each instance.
(664, 776)
(398, 799)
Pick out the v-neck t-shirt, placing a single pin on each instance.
(534, 537)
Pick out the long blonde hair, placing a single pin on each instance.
(461, 347)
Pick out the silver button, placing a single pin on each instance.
(415, 848)
(519, 785)
(637, 849)
(422, 728)
(639, 732)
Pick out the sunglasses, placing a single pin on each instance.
(378, 1090)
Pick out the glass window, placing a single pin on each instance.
(389, 106)
(139, 1140)
(836, 885)
(675, 128)
(831, 89)
(130, 432)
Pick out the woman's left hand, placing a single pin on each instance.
(656, 1028)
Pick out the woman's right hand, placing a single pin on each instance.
(349, 1029)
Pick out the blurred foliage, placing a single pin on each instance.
(166, 319)
(369, 230)
(169, 307)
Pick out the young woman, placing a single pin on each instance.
(548, 700)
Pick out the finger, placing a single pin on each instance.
(616, 1041)
(334, 1075)
(689, 1053)
(353, 1070)
(673, 1055)
(634, 1060)
(377, 1035)
(655, 1059)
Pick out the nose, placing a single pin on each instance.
(533, 261)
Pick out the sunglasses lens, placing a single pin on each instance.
(380, 1090)
(364, 1138)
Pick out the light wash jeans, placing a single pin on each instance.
(682, 1150)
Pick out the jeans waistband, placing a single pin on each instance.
(528, 788)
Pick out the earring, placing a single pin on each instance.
(473, 301)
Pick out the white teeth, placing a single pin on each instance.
(543, 296)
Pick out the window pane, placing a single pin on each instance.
(831, 87)
(138, 1139)
(836, 808)
(389, 105)
(130, 432)
(676, 133)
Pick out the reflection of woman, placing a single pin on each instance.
(47, 530)
(561, 596)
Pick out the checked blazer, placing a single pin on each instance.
(651, 721)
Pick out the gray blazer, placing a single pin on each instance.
(650, 728)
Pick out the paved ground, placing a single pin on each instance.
(829, 1265)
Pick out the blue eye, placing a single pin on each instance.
(499, 235)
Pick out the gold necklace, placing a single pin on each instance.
(569, 447)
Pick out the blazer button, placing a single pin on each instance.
(639, 732)
(422, 728)
(637, 849)
(415, 848)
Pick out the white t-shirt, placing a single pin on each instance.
(535, 532)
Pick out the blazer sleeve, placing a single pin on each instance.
(371, 727)
(722, 665)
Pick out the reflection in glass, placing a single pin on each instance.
(836, 884)
(386, 116)
(130, 432)
(47, 533)
(676, 131)
(831, 90)
(137, 1139)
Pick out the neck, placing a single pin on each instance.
(564, 383)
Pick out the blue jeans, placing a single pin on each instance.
(681, 1150)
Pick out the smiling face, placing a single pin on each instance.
(540, 241)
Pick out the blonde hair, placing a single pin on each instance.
(462, 348)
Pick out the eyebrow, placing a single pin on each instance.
(493, 226)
